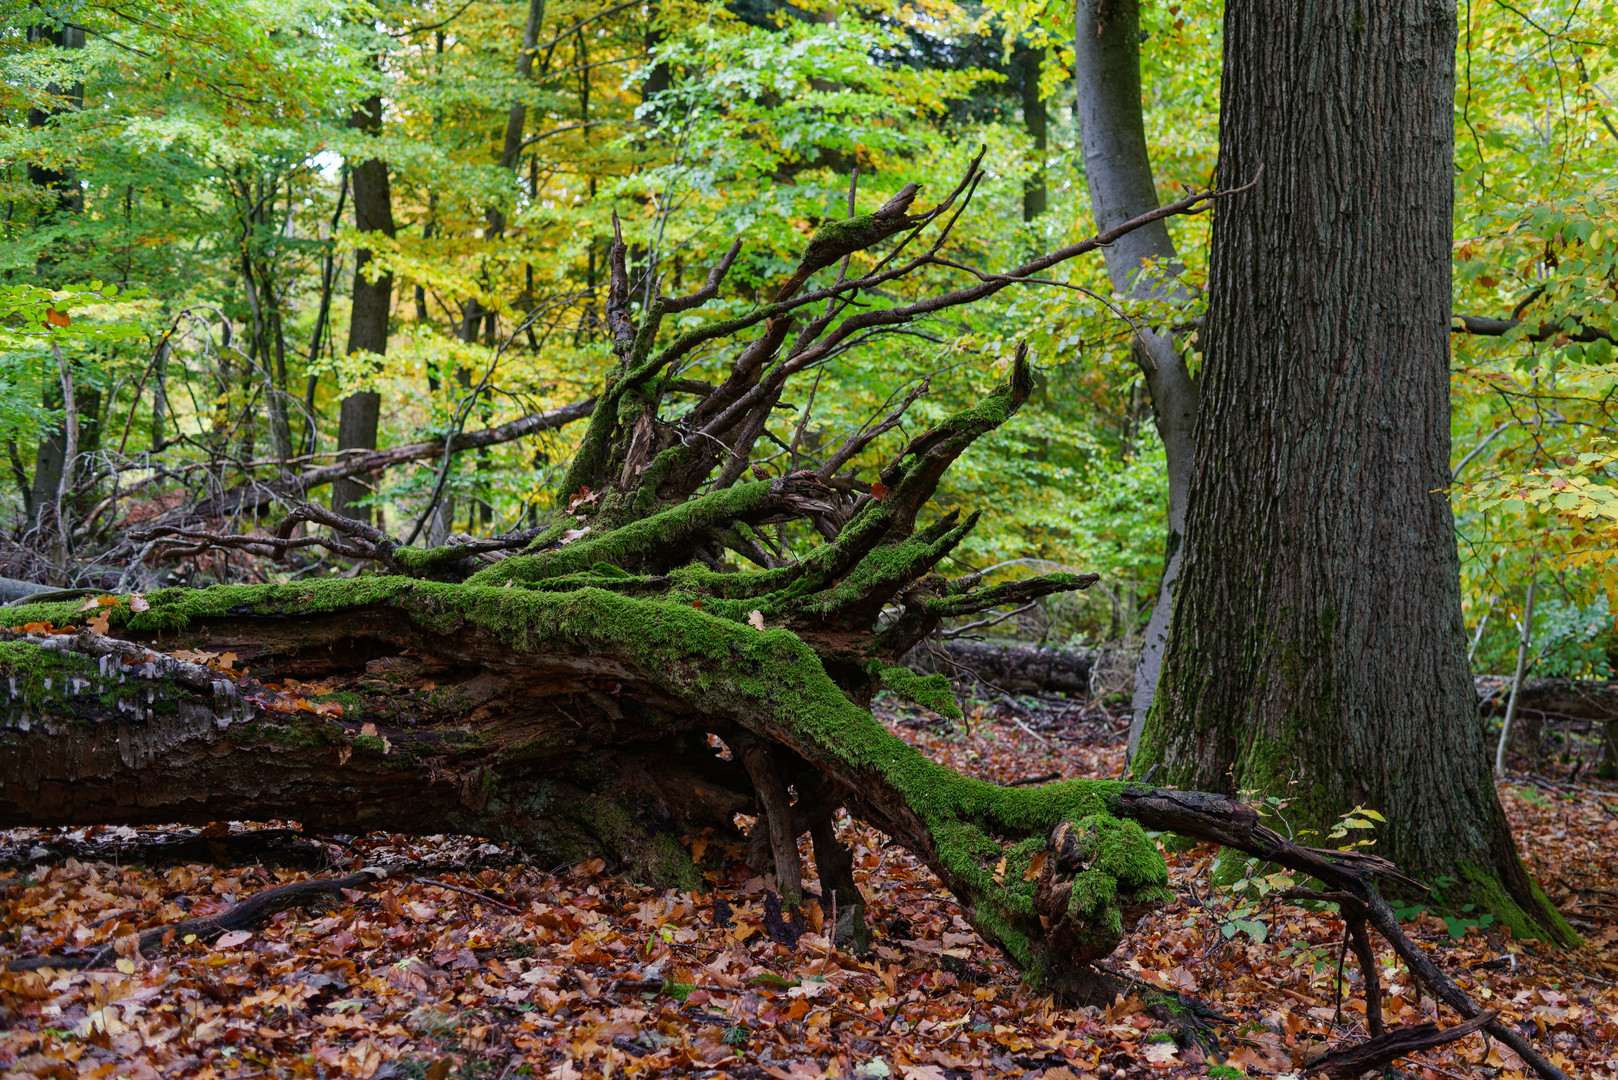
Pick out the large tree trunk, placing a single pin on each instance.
(1118, 170)
(360, 412)
(1318, 650)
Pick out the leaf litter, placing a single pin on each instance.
(467, 962)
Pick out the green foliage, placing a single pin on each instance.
(1457, 919)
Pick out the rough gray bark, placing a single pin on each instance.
(360, 412)
(1118, 171)
(1318, 648)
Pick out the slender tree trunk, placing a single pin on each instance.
(66, 201)
(368, 320)
(1318, 651)
(1036, 123)
(1119, 174)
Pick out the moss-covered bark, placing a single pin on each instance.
(561, 694)
(572, 722)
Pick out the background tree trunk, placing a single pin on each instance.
(63, 198)
(368, 319)
(1318, 649)
(1118, 170)
(1036, 122)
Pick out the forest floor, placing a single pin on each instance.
(468, 963)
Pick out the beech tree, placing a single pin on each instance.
(1317, 650)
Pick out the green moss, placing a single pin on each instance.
(56, 613)
(1482, 890)
(773, 682)
(929, 691)
(371, 744)
(673, 529)
(71, 686)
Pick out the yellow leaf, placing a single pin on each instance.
(1035, 865)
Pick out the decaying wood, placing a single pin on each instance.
(262, 847)
(1011, 666)
(1384, 1049)
(245, 915)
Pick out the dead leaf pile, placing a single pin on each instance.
(502, 969)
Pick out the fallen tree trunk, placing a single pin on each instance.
(1544, 701)
(15, 589)
(575, 724)
(572, 723)
(1558, 699)
(1012, 666)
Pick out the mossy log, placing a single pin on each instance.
(1011, 666)
(573, 723)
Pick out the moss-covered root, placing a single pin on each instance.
(1091, 891)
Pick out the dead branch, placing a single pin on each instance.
(1353, 1061)
(1223, 820)
(249, 913)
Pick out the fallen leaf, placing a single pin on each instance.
(1162, 1052)
(98, 623)
(233, 939)
(137, 602)
(755, 619)
(57, 318)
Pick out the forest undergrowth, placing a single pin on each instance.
(467, 962)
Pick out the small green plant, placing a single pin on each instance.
(1531, 796)
(1225, 1072)
(1456, 920)
(1259, 881)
